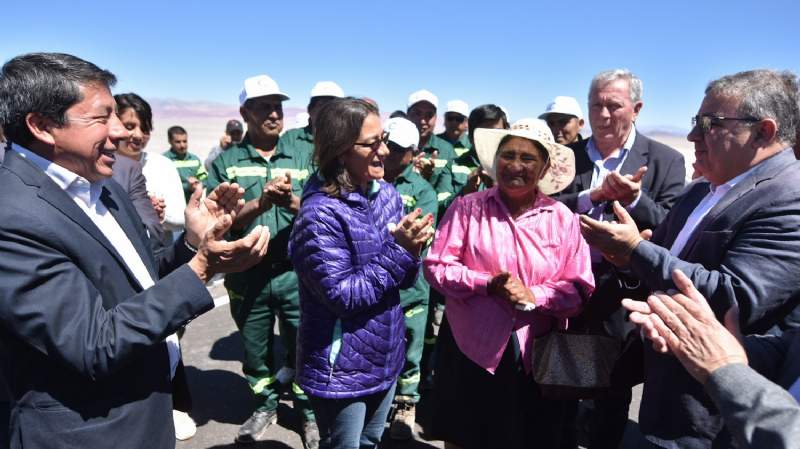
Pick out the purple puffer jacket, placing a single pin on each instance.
(351, 338)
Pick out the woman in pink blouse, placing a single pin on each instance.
(512, 266)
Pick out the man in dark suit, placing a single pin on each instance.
(83, 313)
(618, 163)
(736, 236)
(128, 174)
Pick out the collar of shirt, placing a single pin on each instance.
(404, 175)
(253, 154)
(724, 188)
(612, 163)
(70, 182)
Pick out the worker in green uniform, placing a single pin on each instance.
(190, 167)
(468, 176)
(302, 139)
(273, 181)
(415, 193)
(455, 126)
(436, 154)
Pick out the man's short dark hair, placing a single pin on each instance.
(139, 106)
(173, 130)
(46, 84)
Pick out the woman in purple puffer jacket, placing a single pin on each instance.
(352, 251)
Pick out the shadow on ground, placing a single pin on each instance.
(228, 348)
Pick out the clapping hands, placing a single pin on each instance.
(413, 231)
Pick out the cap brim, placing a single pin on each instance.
(562, 159)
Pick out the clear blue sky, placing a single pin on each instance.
(516, 54)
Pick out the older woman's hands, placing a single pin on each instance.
(413, 231)
(506, 286)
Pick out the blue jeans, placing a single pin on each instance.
(354, 423)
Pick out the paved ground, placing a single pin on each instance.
(212, 351)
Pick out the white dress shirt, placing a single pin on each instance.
(86, 195)
(701, 210)
(162, 179)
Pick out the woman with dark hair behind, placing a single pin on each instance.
(352, 252)
(163, 181)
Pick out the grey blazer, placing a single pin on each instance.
(756, 408)
(128, 173)
(745, 251)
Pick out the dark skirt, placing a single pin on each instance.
(475, 409)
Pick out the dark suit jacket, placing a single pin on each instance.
(128, 174)
(82, 343)
(745, 251)
(661, 185)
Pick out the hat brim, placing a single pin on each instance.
(562, 159)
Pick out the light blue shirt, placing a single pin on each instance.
(601, 168)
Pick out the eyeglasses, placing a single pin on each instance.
(705, 122)
(376, 145)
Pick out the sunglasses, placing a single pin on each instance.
(454, 118)
(707, 121)
(376, 145)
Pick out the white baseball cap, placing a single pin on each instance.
(563, 105)
(423, 95)
(260, 86)
(327, 89)
(459, 107)
(402, 132)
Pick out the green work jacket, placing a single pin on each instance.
(187, 165)
(416, 192)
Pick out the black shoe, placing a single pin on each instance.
(254, 428)
(310, 435)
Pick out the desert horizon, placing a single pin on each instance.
(205, 124)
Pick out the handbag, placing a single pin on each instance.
(569, 366)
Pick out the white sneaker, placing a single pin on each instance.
(185, 427)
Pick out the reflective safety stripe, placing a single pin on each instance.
(430, 341)
(408, 200)
(415, 311)
(263, 383)
(439, 163)
(296, 389)
(186, 164)
(460, 151)
(202, 173)
(409, 380)
(462, 169)
(234, 171)
(296, 174)
(443, 196)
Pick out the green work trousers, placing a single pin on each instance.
(254, 310)
(416, 316)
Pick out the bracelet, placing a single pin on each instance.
(189, 245)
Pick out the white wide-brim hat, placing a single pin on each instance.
(562, 159)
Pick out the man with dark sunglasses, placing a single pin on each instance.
(736, 235)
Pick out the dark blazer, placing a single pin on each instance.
(745, 251)
(82, 344)
(128, 174)
(661, 185)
